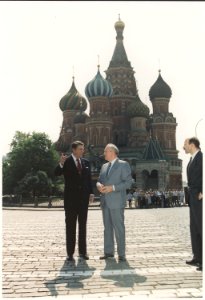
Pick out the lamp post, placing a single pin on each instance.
(196, 126)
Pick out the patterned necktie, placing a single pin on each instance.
(79, 166)
(108, 168)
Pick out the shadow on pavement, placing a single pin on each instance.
(121, 273)
(72, 274)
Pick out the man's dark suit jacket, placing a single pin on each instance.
(77, 187)
(194, 173)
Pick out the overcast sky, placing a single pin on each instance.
(42, 41)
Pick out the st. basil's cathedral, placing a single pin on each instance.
(117, 115)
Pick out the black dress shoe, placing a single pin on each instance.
(106, 256)
(70, 258)
(193, 262)
(121, 258)
(200, 268)
(84, 256)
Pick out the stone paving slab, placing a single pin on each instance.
(157, 246)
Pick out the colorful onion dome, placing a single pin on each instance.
(160, 89)
(137, 109)
(73, 100)
(98, 86)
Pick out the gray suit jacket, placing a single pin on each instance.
(120, 177)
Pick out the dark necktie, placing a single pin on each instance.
(188, 166)
(108, 168)
(79, 166)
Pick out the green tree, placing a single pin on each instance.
(35, 184)
(29, 166)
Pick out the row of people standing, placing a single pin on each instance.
(151, 199)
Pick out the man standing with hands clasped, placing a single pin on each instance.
(194, 176)
(77, 195)
(114, 179)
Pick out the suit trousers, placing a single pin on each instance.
(113, 220)
(71, 218)
(196, 211)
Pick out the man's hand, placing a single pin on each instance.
(63, 158)
(107, 189)
(91, 198)
(200, 196)
(99, 186)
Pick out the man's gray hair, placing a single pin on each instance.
(113, 147)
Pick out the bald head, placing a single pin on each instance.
(111, 152)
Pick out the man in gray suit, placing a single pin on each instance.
(114, 179)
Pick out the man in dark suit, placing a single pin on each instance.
(194, 176)
(114, 179)
(78, 193)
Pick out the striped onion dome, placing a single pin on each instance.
(137, 109)
(73, 100)
(160, 89)
(98, 86)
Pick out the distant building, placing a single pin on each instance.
(117, 114)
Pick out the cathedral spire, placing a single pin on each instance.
(119, 27)
(119, 57)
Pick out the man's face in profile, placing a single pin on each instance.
(186, 146)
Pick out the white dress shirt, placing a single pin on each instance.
(75, 160)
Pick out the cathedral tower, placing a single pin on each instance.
(121, 76)
(99, 124)
(71, 104)
(163, 128)
(118, 115)
(163, 122)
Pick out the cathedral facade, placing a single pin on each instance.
(117, 115)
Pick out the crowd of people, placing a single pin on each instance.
(138, 198)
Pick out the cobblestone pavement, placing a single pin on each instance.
(157, 243)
